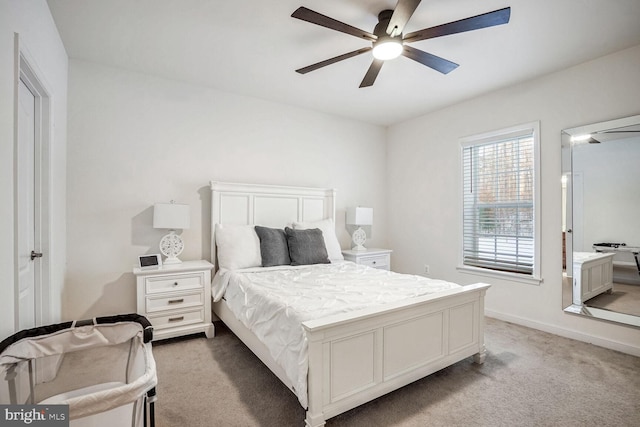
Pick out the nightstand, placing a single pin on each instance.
(176, 298)
(376, 258)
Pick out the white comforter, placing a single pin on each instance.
(273, 302)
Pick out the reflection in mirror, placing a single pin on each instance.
(601, 220)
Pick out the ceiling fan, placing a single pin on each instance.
(388, 41)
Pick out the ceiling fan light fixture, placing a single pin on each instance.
(387, 48)
(581, 138)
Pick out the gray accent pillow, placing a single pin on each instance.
(306, 246)
(273, 246)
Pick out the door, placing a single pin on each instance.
(26, 225)
(32, 220)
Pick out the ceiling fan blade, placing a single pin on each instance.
(439, 64)
(324, 21)
(333, 60)
(372, 73)
(489, 19)
(401, 15)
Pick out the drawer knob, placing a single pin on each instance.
(175, 283)
(176, 319)
(374, 262)
(176, 301)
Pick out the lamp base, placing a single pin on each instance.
(172, 260)
(358, 237)
(171, 246)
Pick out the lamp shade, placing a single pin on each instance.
(171, 216)
(360, 216)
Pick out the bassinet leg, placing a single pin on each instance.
(150, 400)
(32, 382)
(152, 414)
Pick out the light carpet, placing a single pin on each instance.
(530, 378)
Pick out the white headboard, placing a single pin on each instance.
(267, 205)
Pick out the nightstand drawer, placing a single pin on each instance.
(175, 301)
(375, 261)
(173, 283)
(177, 319)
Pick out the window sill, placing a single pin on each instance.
(530, 280)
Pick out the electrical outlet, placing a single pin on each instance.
(426, 269)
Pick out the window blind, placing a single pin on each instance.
(498, 204)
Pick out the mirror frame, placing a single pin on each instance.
(567, 168)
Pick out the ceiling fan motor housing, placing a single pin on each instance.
(380, 29)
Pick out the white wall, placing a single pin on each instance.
(39, 36)
(424, 179)
(135, 140)
(611, 191)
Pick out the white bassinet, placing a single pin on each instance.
(102, 368)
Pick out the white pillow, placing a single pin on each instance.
(328, 232)
(238, 246)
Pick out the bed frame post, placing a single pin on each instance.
(481, 355)
(315, 416)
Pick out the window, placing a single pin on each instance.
(500, 231)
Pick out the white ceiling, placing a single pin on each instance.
(252, 47)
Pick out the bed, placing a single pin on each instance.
(592, 275)
(351, 356)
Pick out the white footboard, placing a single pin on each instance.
(592, 275)
(356, 358)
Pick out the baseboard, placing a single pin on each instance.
(563, 332)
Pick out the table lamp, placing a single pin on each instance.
(359, 216)
(171, 216)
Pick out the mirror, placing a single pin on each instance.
(601, 220)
